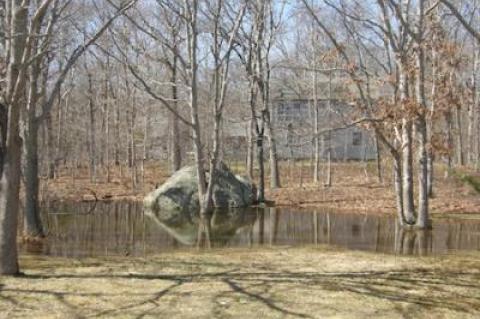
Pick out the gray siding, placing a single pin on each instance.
(293, 121)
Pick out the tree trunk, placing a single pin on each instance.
(50, 147)
(422, 219)
(274, 172)
(116, 152)
(459, 137)
(449, 138)
(9, 196)
(92, 141)
(213, 163)
(421, 126)
(192, 34)
(407, 172)
(316, 138)
(32, 221)
(175, 146)
(10, 170)
(430, 151)
(378, 160)
(328, 182)
(250, 149)
(475, 141)
(261, 168)
(430, 172)
(397, 175)
(407, 159)
(472, 115)
(106, 108)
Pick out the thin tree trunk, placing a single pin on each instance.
(316, 138)
(106, 107)
(274, 172)
(329, 134)
(459, 137)
(250, 149)
(92, 141)
(60, 133)
(378, 159)
(116, 152)
(472, 116)
(261, 168)
(131, 141)
(50, 147)
(407, 172)
(407, 158)
(175, 146)
(192, 36)
(449, 138)
(475, 140)
(397, 175)
(430, 151)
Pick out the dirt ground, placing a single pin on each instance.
(355, 188)
(310, 282)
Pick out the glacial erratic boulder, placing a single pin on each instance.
(231, 190)
(178, 196)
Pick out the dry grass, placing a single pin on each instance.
(311, 282)
(355, 188)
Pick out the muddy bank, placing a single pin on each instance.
(311, 282)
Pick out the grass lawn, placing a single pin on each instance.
(283, 282)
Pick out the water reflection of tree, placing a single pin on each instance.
(121, 228)
(413, 241)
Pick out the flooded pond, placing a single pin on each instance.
(121, 228)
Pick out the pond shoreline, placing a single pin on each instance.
(351, 191)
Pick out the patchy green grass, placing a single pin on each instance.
(311, 282)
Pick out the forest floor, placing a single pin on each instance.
(309, 282)
(355, 188)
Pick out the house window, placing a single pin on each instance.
(357, 138)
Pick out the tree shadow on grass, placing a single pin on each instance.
(447, 290)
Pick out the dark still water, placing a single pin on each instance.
(121, 228)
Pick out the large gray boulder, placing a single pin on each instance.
(178, 196)
(231, 190)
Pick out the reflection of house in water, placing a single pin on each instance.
(294, 119)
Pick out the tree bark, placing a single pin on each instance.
(92, 131)
(421, 125)
(192, 73)
(316, 138)
(407, 158)
(378, 159)
(250, 149)
(175, 146)
(459, 137)
(10, 170)
(261, 168)
(32, 221)
(50, 147)
(274, 172)
(398, 181)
